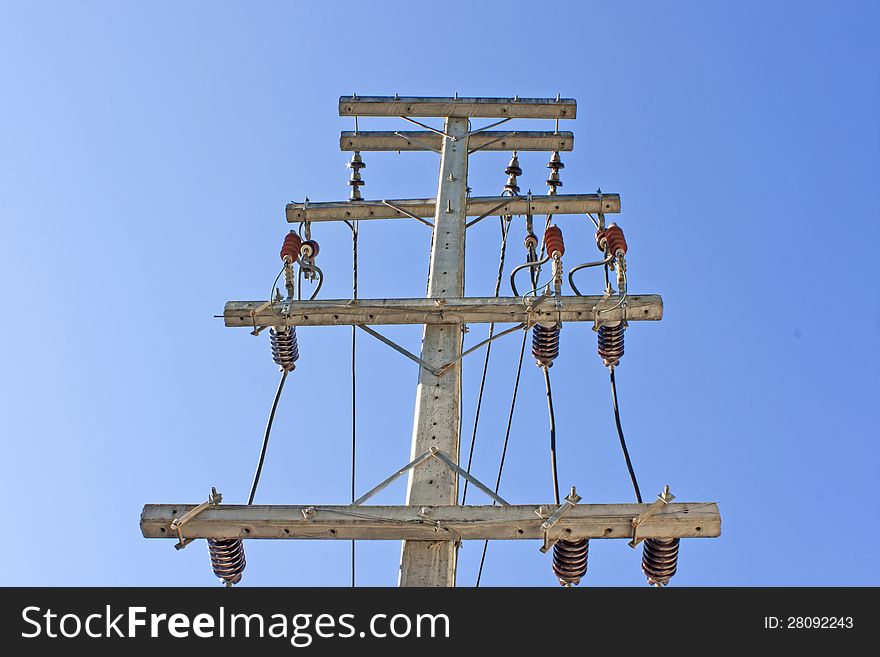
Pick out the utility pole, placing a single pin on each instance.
(438, 400)
(431, 523)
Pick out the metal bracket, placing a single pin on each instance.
(406, 212)
(662, 500)
(433, 370)
(570, 501)
(443, 369)
(177, 524)
(416, 140)
(490, 212)
(421, 458)
(256, 311)
(489, 143)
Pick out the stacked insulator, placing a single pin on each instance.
(611, 343)
(513, 170)
(291, 247)
(227, 559)
(553, 181)
(570, 561)
(659, 560)
(545, 344)
(355, 181)
(285, 351)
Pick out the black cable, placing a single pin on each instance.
(266, 438)
(629, 465)
(522, 351)
(505, 228)
(354, 291)
(353, 432)
(552, 435)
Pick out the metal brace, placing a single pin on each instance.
(424, 456)
(662, 500)
(570, 502)
(177, 524)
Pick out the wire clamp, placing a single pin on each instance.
(309, 512)
(662, 500)
(177, 524)
(570, 501)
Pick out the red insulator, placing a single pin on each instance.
(600, 240)
(314, 247)
(615, 239)
(553, 241)
(291, 246)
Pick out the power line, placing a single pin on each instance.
(265, 446)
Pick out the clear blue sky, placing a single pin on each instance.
(149, 150)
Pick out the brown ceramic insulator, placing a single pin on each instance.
(545, 344)
(553, 241)
(611, 344)
(314, 246)
(570, 561)
(616, 241)
(291, 246)
(227, 559)
(659, 560)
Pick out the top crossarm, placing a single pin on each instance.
(489, 108)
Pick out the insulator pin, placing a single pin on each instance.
(555, 164)
(355, 181)
(512, 170)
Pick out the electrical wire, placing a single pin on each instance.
(522, 351)
(552, 435)
(265, 446)
(505, 228)
(629, 465)
(354, 293)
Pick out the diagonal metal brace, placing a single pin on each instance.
(436, 453)
(444, 368)
(421, 458)
(401, 210)
(662, 500)
(433, 370)
(570, 501)
(177, 524)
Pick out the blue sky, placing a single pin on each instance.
(150, 148)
